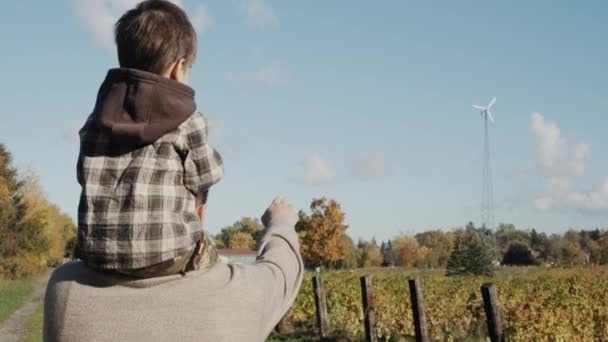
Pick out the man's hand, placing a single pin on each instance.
(279, 212)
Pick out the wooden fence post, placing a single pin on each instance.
(418, 310)
(492, 308)
(321, 304)
(367, 292)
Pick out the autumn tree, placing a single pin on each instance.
(405, 248)
(23, 244)
(603, 243)
(351, 257)
(58, 229)
(321, 232)
(368, 254)
(421, 257)
(439, 247)
(241, 240)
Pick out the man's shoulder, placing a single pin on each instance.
(68, 272)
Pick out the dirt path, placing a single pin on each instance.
(10, 330)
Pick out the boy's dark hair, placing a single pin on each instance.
(153, 35)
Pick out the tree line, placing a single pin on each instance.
(469, 249)
(34, 233)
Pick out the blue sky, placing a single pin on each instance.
(368, 104)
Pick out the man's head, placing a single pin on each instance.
(156, 36)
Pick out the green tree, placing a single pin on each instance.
(591, 248)
(369, 254)
(572, 254)
(388, 255)
(507, 233)
(226, 234)
(439, 245)
(253, 227)
(351, 258)
(551, 252)
(237, 232)
(538, 241)
(519, 254)
(241, 240)
(471, 255)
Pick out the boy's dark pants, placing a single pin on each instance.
(203, 255)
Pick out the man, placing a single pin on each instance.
(226, 302)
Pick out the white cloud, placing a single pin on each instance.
(561, 165)
(368, 168)
(556, 158)
(259, 12)
(316, 171)
(564, 196)
(270, 74)
(99, 16)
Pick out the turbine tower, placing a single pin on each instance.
(487, 196)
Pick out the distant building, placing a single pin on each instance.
(238, 255)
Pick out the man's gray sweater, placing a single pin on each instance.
(228, 302)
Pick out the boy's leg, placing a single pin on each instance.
(204, 256)
(169, 267)
(201, 256)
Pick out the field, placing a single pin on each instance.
(21, 308)
(12, 295)
(32, 329)
(537, 303)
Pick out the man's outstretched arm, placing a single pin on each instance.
(279, 255)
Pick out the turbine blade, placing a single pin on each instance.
(490, 116)
(479, 107)
(491, 103)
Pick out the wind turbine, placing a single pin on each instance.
(485, 111)
(487, 197)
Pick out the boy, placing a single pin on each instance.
(145, 166)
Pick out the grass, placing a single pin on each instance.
(295, 337)
(12, 295)
(32, 329)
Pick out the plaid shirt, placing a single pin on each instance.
(137, 206)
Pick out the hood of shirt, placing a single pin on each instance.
(137, 107)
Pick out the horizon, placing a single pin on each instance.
(368, 105)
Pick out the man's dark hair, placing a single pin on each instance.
(153, 35)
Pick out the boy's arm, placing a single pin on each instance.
(203, 166)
